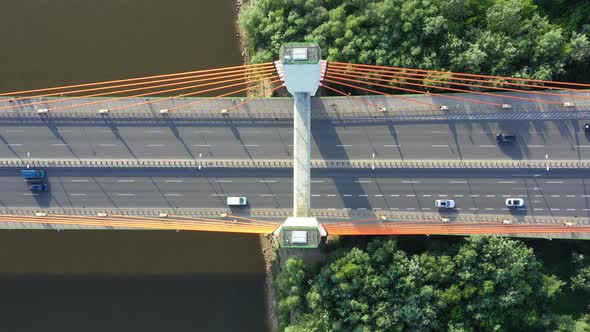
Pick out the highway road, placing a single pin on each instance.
(556, 193)
(109, 139)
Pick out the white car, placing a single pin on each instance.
(240, 201)
(514, 202)
(444, 203)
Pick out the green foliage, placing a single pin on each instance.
(290, 288)
(580, 281)
(498, 37)
(489, 284)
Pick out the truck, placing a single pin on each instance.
(32, 174)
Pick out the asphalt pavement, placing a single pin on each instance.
(450, 140)
(553, 193)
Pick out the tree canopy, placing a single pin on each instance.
(497, 37)
(488, 284)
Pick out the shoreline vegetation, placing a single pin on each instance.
(538, 39)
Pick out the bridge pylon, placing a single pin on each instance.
(301, 68)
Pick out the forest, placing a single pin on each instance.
(541, 39)
(473, 284)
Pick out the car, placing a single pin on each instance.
(505, 138)
(514, 202)
(237, 201)
(444, 203)
(38, 187)
(587, 127)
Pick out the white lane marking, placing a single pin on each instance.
(473, 209)
(585, 209)
(378, 195)
(474, 195)
(251, 145)
(426, 209)
(361, 209)
(267, 181)
(411, 181)
(458, 209)
(347, 195)
(172, 195)
(521, 175)
(521, 209)
(555, 195)
(14, 131)
(538, 195)
(490, 195)
(394, 208)
(201, 131)
(391, 146)
(125, 180)
(105, 131)
(30, 194)
(154, 131)
(125, 194)
(249, 132)
(58, 144)
(570, 195)
(15, 144)
(426, 195)
(458, 181)
(442, 195)
(411, 195)
(317, 181)
(290, 145)
(458, 195)
(77, 194)
(394, 195)
(536, 146)
(504, 182)
(439, 132)
(440, 146)
(505, 195)
(223, 181)
(571, 209)
(583, 146)
(487, 146)
(316, 195)
(80, 180)
(363, 195)
(505, 209)
(155, 145)
(173, 181)
(524, 188)
(410, 208)
(217, 195)
(202, 145)
(266, 195)
(107, 144)
(489, 209)
(585, 195)
(363, 181)
(554, 182)
(343, 145)
(538, 209)
(554, 209)
(331, 195)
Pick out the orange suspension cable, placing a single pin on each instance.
(259, 95)
(239, 77)
(453, 89)
(464, 74)
(131, 79)
(262, 78)
(162, 91)
(383, 72)
(416, 91)
(465, 91)
(240, 71)
(220, 96)
(353, 97)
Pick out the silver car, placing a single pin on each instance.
(444, 203)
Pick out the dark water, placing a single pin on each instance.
(120, 280)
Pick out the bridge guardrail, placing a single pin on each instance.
(282, 163)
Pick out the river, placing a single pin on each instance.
(123, 280)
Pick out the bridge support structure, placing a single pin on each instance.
(301, 68)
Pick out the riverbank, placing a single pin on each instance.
(269, 247)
